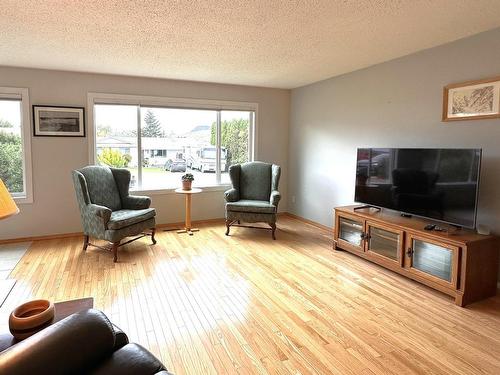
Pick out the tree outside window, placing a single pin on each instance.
(11, 146)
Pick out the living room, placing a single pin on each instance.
(214, 285)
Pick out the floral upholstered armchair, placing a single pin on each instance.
(254, 196)
(107, 210)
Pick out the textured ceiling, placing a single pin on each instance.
(269, 43)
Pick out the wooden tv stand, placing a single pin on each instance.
(460, 263)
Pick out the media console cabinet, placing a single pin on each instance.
(460, 263)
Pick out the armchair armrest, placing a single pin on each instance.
(136, 202)
(231, 195)
(100, 211)
(275, 198)
(131, 202)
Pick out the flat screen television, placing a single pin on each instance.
(437, 183)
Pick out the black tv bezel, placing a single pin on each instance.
(476, 201)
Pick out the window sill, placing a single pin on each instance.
(23, 200)
(170, 191)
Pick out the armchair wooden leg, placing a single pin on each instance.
(273, 227)
(85, 242)
(228, 223)
(115, 251)
(153, 231)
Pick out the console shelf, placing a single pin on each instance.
(460, 263)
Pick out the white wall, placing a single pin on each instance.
(394, 104)
(54, 209)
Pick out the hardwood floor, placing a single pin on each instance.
(211, 304)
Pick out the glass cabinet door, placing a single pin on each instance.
(433, 259)
(352, 232)
(385, 244)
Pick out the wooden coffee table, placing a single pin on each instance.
(63, 310)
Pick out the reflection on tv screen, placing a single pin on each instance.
(441, 184)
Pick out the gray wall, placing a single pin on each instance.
(394, 104)
(54, 209)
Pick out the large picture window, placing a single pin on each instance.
(15, 152)
(159, 143)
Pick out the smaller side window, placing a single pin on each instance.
(15, 150)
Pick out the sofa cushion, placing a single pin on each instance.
(246, 205)
(124, 218)
(130, 359)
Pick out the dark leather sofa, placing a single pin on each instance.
(83, 343)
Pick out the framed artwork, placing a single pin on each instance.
(472, 100)
(55, 121)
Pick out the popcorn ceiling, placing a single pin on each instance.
(283, 44)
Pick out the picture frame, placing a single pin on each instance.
(472, 100)
(58, 121)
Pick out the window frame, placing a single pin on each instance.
(22, 94)
(94, 98)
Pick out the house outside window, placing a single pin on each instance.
(159, 143)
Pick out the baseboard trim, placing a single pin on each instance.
(163, 225)
(310, 222)
(79, 234)
(40, 238)
(193, 222)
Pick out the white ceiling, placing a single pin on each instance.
(273, 43)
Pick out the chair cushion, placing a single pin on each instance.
(124, 218)
(246, 205)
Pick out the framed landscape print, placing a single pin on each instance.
(53, 121)
(472, 100)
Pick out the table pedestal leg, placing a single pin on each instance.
(187, 224)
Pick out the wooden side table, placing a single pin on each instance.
(188, 193)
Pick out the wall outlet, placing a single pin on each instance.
(293, 198)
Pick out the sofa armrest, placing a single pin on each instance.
(72, 345)
(231, 195)
(275, 198)
(136, 202)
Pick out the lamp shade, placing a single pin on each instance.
(7, 205)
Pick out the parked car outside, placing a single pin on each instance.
(178, 165)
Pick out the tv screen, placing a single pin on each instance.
(441, 184)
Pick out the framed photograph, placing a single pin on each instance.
(54, 121)
(472, 100)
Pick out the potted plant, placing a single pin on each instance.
(187, 180)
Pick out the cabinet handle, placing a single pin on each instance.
(409, 252)
(364, 236)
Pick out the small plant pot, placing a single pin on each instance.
(31, 317)
(186, 184)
